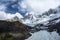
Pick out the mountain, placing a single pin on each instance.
(13, 30)
(49, 20)
(16, 17)
(9, 16)
(32, 19)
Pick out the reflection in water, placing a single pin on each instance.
(44, 35)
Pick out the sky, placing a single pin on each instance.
(4, 16)
(22, 7)
(40, 6)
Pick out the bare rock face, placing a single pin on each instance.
(55, 27)
(13, 30)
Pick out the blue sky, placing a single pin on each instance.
(11, 7)
(24, 6)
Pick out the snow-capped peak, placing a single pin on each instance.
(31, 19)
(16, 17)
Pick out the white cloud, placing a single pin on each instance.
(38, 6)
(4, 15)
(42, 5)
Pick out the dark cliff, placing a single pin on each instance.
(13, 30)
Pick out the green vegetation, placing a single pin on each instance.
(5, 36)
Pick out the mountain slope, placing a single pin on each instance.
(31, 19)
(14, 30)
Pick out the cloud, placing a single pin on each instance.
(36, 6)
(40, 6)
(9, 6)
(4, 16)
(8, 9)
